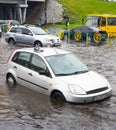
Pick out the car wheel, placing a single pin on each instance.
(77, 35)
(58, 96)
(10, 80)
(11, 41)
(38, 44)
(97, 38)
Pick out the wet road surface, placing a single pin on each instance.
(24, 109)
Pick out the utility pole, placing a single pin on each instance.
(45, 12)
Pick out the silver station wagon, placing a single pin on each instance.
(30, 35)
(57, 73)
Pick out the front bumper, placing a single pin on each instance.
(88, 98)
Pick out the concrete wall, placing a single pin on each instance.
(50, 12)
(14, 1)
(54, 11)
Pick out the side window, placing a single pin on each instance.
(13, 29)
(112, 21)
(22, 58)
(103, 22)
(26, 31)
(19, 30)
(37, 64)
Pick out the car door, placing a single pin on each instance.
(39, 82)
(27, 36)
(18, 35)
(21, 67)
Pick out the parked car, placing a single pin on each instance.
(31, 36)
(84, 33)
(57, 73)
(7, 24)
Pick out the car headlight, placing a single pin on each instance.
(76, 89)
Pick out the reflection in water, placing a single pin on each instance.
(5, 107)
(24, 109)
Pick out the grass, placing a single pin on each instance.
(78, 9)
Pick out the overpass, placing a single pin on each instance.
(15, 9)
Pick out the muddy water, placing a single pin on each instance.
(24, 109)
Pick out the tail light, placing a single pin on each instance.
(97, 33)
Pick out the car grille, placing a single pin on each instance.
(52, 40)
(97, 90)
(55, 41)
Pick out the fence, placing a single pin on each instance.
(65, 35)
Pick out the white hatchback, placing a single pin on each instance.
(57, 73)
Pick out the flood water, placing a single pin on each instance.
(24, 109)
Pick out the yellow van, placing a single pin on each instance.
(105, 22)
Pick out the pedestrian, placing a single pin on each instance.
(39, 23)
(66, 20)
(82, 20)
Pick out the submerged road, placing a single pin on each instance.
(24, 109)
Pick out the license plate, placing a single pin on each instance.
(100, 97)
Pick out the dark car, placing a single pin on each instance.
(84, 33)
(0, 33)
(7, 24)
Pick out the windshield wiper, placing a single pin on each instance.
(41, 34)
(61, 74)
(79, 72)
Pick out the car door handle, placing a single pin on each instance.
(30, 74)
(15, 67)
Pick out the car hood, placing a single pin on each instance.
(95, 29)
(88, 81)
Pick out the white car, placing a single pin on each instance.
(57, 73)
(31, 36)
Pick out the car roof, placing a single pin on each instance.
(25, 26)
(44, 51)
(85, 29)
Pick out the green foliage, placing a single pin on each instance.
(78, 9)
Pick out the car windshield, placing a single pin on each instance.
(38, 31)
(92, 21)
(66, 64)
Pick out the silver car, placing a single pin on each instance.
(57, 73)
(31, 36)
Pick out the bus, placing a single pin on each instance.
(105, 22)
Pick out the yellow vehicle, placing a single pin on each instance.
(105, 22)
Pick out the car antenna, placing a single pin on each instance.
(36, 48)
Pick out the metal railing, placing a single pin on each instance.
(110, 40)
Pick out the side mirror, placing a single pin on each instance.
(44, 72)
(30, 34)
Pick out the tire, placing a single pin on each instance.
(58, 96)
(97, 38)
(78, 35)
(11, 41)
(10, 80)
(38, 44)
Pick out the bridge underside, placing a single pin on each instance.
(15, 11)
